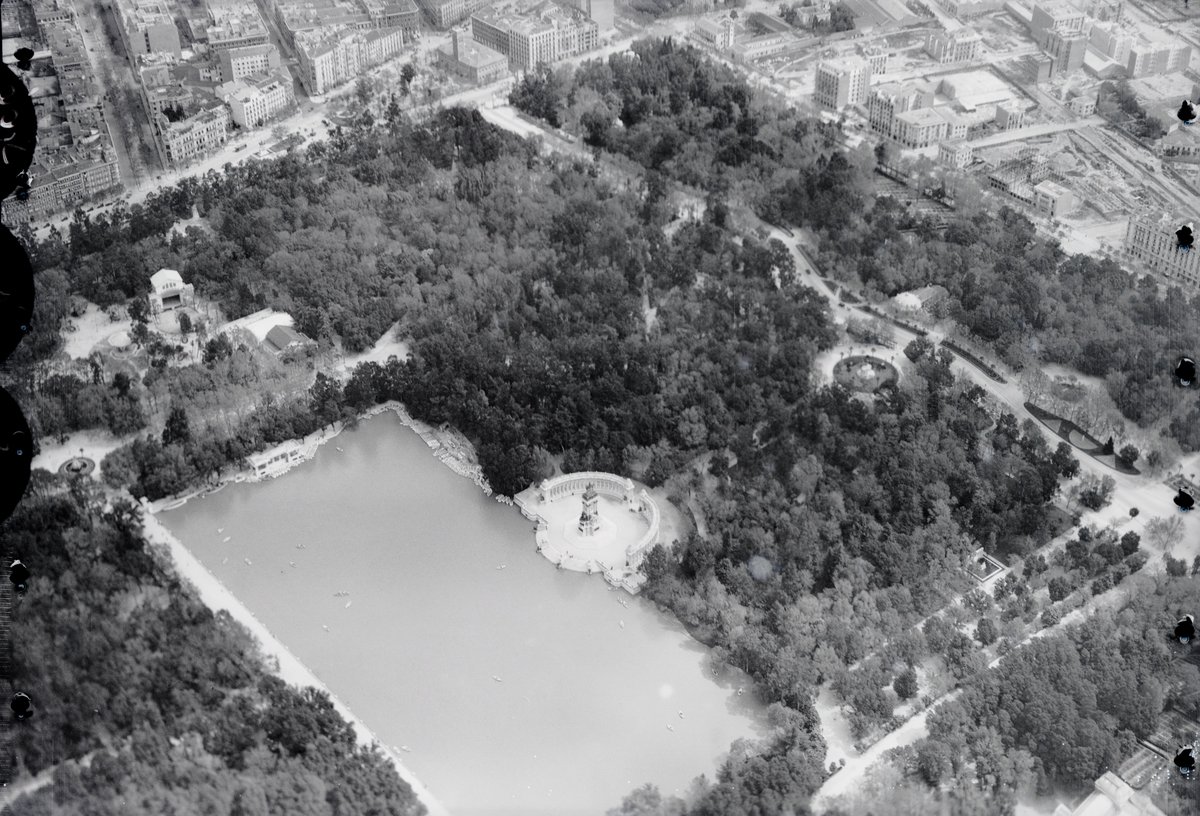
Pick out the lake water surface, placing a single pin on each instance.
(581, 714)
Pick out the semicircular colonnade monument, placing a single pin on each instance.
(594, 522)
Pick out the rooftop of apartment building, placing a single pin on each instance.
(1167, 220)
(323, 40)
(297, 16)
(68, 159)
(770, 38)
(960, 34)
(1058, 8)
(1051, 187)
(75, 85)
(146, 9)
(550, 10)
(59, 129)
(290, 6)
(148, 5)
(251, 50)
(1115, 27)
(266, 81)
(236, 17)
(513, 21)
(154, 58)
(473, 54)
(925, 116)
(181, 75)
(843, 64)
(320, 38)
(65, 45)
(543, 16)
(898, 88)
(380, 6)
(168, 92)
(52, 5)
(974, 89)
(246, 91)
(1181, 137)
(1153, 89)
(230, 8)
(212, 112)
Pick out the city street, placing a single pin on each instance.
(100, 54)
(256, 140)
(309, 118)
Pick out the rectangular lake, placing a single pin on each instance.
(581, 714)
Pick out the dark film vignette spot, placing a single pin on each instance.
(1187, 113)
(1185, 629)
(21, 705)
(18, 129)
(16, 293)
(1184, 237)
(1185, 761)
(19, 575)
(24, 58)
(1185, 372)
(1184, 500)
(16, 454)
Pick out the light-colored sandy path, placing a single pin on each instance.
(857, 766)
(31, 784)
(91, 327)
(216, 596)
(387, 345)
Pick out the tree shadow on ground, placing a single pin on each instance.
(1080, 439)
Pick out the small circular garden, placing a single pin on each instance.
(864, 373)
(77, 466)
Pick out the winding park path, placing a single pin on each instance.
(1150, 495)
(30, 784)
(849, 779)
(1009, 393)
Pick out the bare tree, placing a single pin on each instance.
(1090, 411)
(1164, 532)
(1034, 382)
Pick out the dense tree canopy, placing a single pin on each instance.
(550, 315)
(172, 703)
(698, 123)
(1068, 707)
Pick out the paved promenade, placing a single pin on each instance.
(628, 527)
